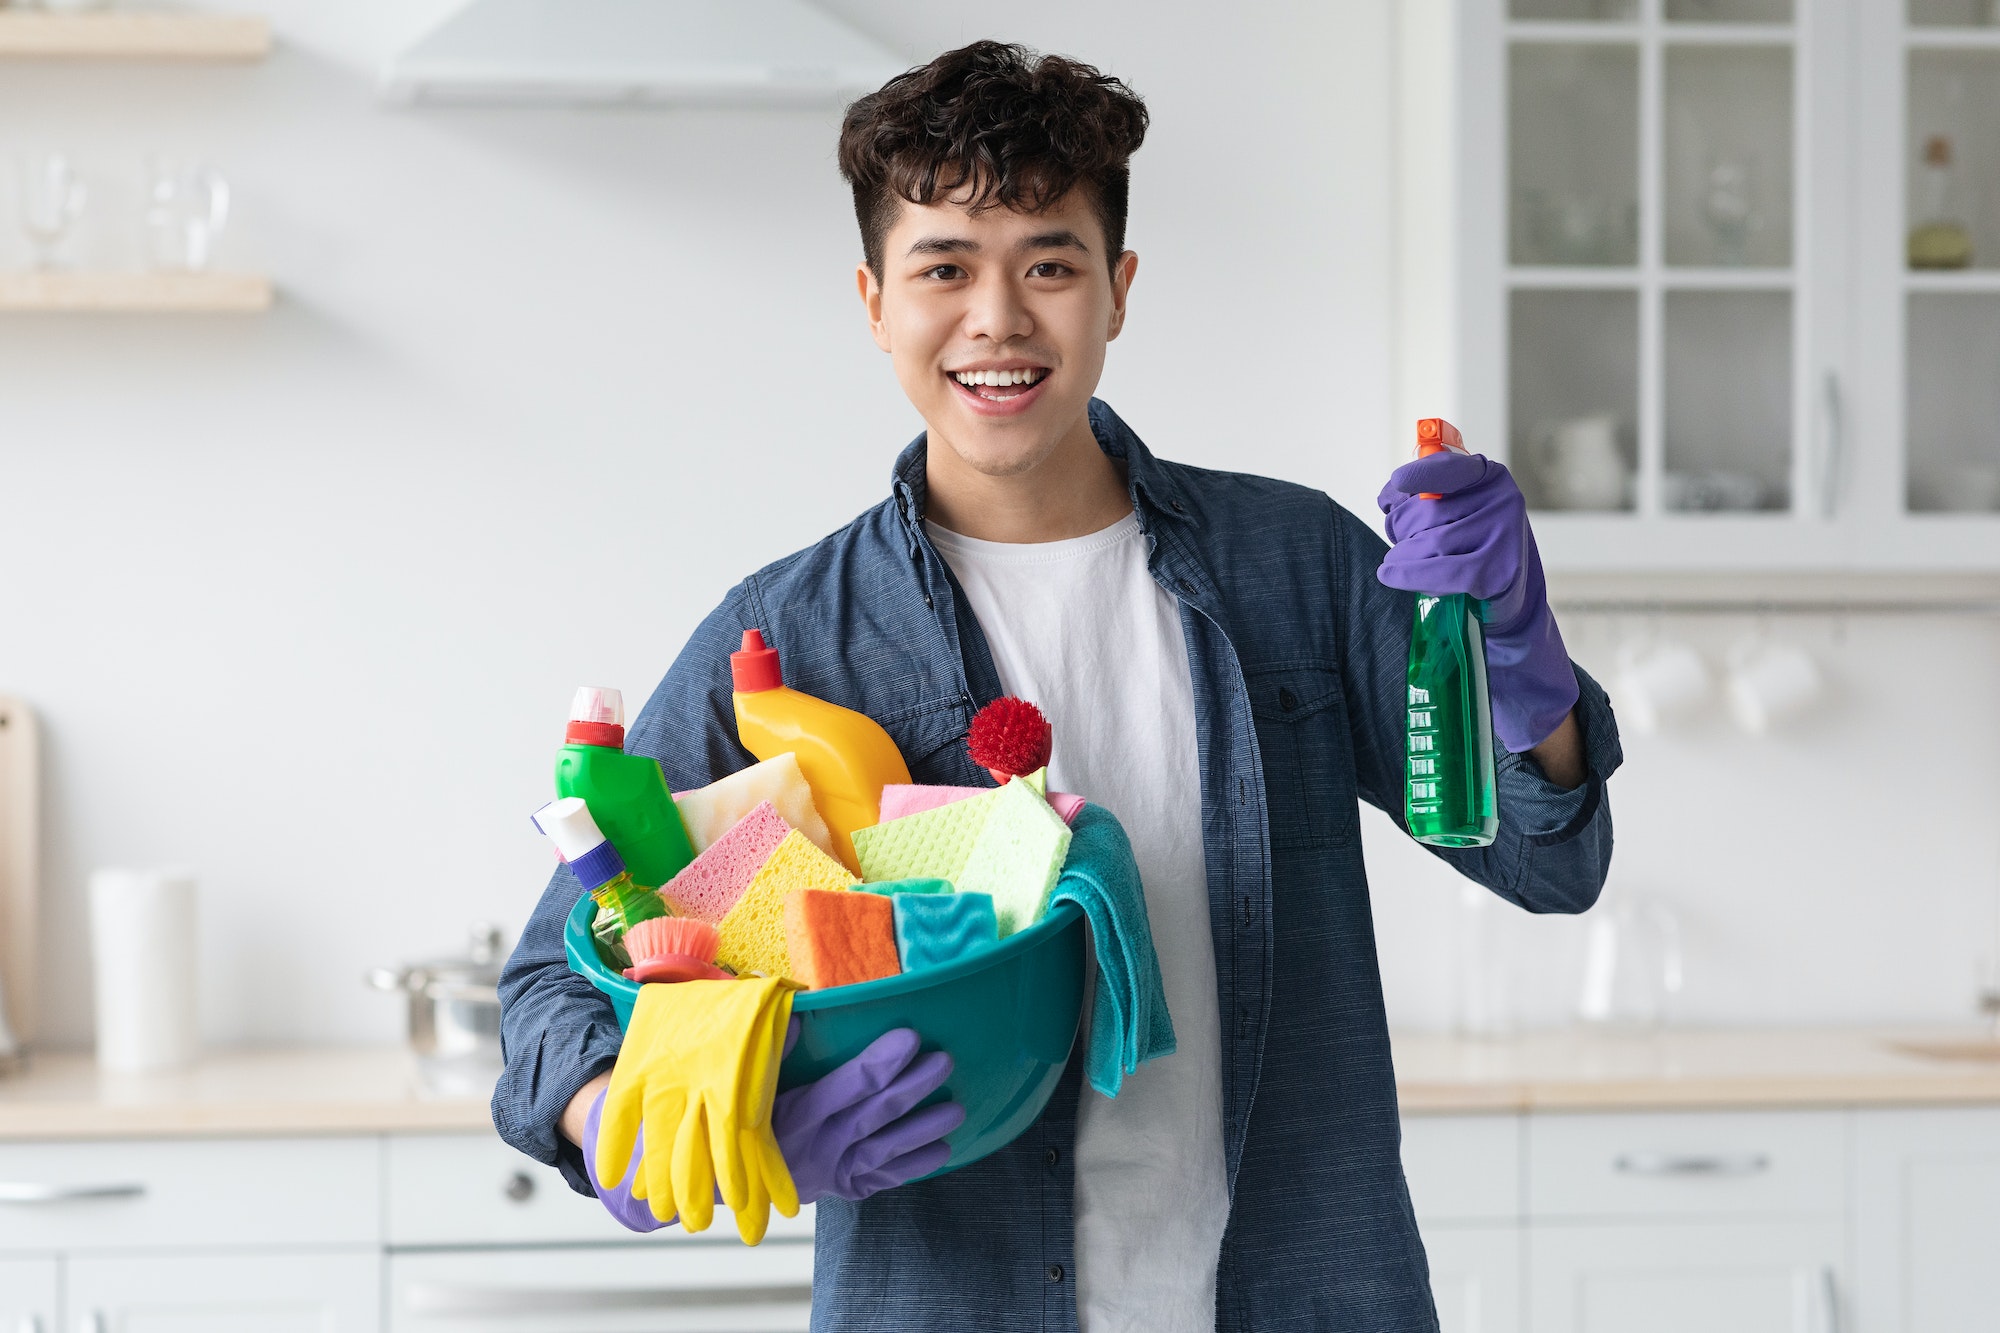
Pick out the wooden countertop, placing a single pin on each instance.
(1725, 1068)
(378, 1090)
(237, 1093)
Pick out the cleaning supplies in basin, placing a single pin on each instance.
(713, 881)
(753, 933)
(568, 824)
(840, 938)
(712, 811)
(627, 793)
(673, 948)
(846, 756)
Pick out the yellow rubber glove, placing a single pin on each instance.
(698, 1068)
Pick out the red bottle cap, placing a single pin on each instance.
(755, 666)
(1435, 434)
(595, 733)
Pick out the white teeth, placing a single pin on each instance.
(996, 378)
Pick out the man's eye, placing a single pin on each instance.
(1049, 268)
(944, 272)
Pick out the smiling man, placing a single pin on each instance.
(1222, 657)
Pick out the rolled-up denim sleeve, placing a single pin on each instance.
(1553, 849)
(557, 1031)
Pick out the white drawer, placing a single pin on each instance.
(472, 1189)
(1687, 1164)
(181, 1193)
(1463, 1168)
(664, 1289)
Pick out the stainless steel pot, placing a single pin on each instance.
(454, 1002)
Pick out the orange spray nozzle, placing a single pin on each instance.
(1433, 434)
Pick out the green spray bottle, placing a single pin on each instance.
(627, 793)
(1448, 778)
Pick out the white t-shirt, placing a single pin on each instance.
(1081, 629)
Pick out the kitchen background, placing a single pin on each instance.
(300, 598)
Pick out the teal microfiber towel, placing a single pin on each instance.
(1129, 1022)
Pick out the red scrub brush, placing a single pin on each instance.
(1010, 739)
(673, 948)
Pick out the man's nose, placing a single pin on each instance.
(997, 311)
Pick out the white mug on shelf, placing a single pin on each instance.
(1771, 684)
(1659, 683)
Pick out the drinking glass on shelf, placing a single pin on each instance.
(1729, 207)
(187, 205)
(52, 196)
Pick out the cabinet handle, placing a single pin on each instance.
(1834, 454)
(448, 1300)
(22, 1191)
(1829, 1300)
(1691, 1164)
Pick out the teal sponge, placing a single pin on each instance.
(933, 928)
(889, 888)
(1017, 857)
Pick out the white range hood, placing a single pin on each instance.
(728, 52)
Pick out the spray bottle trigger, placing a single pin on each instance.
(1433, 435)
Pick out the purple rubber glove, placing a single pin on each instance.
(851, 1134)
(630, 1213)
(1475, 539)
(856, 1131)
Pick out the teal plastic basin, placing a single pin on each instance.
(1008, 1016)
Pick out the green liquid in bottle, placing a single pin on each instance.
(1448, 776)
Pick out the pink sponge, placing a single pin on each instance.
(711, 883)
(899, 799)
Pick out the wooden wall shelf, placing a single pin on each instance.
(134, 293)
(132, 35)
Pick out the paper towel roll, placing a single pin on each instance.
(142, 942)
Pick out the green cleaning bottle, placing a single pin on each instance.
(627, 793)
(1448, 779)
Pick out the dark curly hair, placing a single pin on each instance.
(1020, 129)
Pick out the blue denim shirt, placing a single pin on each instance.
(1298, 656)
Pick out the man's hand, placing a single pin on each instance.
(1474, 539)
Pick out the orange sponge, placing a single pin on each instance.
(837, 939)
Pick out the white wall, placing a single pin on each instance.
(301, 599)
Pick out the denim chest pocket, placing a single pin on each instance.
(1301, 719)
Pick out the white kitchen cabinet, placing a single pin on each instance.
(1927, 1219)
(700, 1287)
(328, 1292)
(1735, 1277)
(28, 1295)
(1688, 1164)
(1678, 277)
(1475, 1277)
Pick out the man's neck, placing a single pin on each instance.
(1077, 490)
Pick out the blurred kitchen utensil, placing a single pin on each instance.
(20, 874)
(1578, 463)
(52, 198)
(187, 206)
(1631, 963)
(454, 1010)
(1659, 682)
(1482, 965)
(1771, 684)
(142, 952)
(1710, 492)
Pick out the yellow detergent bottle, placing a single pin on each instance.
(846, 756)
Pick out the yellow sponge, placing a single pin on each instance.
(753, 933)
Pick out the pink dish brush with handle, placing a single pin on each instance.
(673, 948)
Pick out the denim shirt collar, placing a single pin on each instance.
(1154, 493)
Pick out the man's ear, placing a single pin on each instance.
(1122, 274)
(870, 288)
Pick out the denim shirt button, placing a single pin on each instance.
(1178, 507)
(1052, 1156)
(1055, 1272)
(1186, 586)
(1286, 699)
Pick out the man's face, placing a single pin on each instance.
(1024, 299)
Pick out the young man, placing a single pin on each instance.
(1222, 657)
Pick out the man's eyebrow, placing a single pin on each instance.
(1054, 240)
(944, 245)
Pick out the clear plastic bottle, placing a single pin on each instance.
(1448, 777)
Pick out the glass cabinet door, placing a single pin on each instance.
(1951, 257)
(1653, 313)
